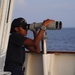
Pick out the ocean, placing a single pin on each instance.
(61, 40)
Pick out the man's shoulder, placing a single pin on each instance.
(17, 36)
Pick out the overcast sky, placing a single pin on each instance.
(38, 10)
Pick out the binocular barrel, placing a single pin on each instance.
(53, 26)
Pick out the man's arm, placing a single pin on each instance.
(33, 45)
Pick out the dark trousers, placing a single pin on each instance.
(15, 69)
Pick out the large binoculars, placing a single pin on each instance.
(52, 26)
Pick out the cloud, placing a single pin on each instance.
(59, 5)
(57, 9)
(66, 5)
(20, 3)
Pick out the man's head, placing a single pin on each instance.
(18, 24)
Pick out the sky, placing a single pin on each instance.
(39, 10)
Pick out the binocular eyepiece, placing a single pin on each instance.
(57, 25)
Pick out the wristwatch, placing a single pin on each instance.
(43, 28)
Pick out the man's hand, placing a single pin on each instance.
(47, 22)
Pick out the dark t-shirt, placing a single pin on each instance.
(16, 49)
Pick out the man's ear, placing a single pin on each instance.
(16, 29)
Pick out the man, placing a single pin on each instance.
(18, 42)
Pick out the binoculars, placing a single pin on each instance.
(57, 25)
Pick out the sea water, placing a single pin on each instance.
(63, 39)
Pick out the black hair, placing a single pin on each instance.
(17, 23)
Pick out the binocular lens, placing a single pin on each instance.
(58, 25)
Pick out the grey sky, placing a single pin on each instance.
(38, 10)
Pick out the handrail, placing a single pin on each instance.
(54, 52)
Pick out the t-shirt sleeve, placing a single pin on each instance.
(17, 39)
